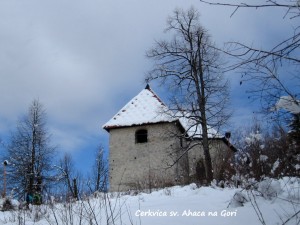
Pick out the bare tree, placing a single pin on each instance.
(271, 69)
(30, 152)
(291, 6)
(190, 66)
(69, 177)
(100, 171)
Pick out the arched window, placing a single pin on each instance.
(141, 136)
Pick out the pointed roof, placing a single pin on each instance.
(145, 108)
(148, 108)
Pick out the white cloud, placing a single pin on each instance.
(85, 59)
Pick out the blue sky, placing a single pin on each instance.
(85, 59)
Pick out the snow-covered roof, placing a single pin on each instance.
(193, 128)
(147, 108)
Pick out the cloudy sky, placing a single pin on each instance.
(85, 59)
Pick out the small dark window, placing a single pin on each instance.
(141, 136)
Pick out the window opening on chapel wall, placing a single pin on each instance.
(141, 136)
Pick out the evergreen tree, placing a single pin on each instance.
(30, 152)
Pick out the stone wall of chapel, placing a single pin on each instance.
(220, 154)
(139, 165)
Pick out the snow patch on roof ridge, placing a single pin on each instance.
(193, 128)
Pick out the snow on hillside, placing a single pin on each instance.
(174, 206)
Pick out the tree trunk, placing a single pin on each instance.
(200, 90)
(75, 189)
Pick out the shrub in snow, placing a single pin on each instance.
(168, 191)
(7, 204)
(291, 188)
(269, 188)
(238, 200)
(38, 213)
(214, 183)
(248, 183)
(193, 186)
(220, 184)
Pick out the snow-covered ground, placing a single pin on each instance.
(175, 205)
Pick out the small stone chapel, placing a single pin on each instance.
(145, 150)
